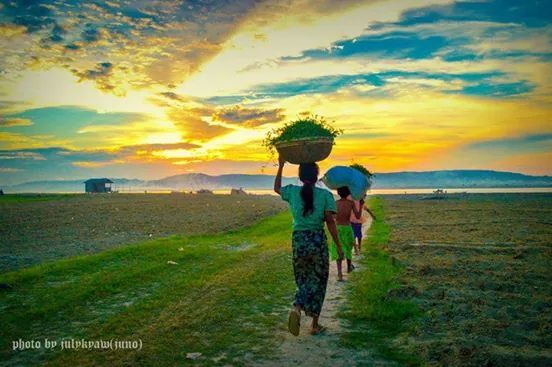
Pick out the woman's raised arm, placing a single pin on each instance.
(278, 178)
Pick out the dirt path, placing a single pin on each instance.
(324, 349)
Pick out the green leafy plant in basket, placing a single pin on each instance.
(362, 169)
(304, 128)
(369, 175)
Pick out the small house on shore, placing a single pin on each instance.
(97, 185)
(239, 191)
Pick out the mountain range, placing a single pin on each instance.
(196, 181)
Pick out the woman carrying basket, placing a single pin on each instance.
(310, 207)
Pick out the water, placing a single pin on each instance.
(468, 190)
(396, 191)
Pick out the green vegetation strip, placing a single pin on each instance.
(25, 198)
(375, 318)
(224, 295)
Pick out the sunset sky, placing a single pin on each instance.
(148, 89)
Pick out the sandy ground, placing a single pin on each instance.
(323, 349)
(35, 231)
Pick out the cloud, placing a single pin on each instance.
(9, 122)
(80, 128)
(410, 82)
(527, 13)
(174, 96)
(91, 34)
(33, 15)
(248, 117)
(489, 84)
(86, 164)
(151, 43)
(525, 143)
(392, 45)
(193, 126)
(219, 166)
(100, 74)
(102, 69)
(9, 170)
(149, 149)
(21, 154)
(487, 89)
(61, 163)
(57, 34)
(9, 140)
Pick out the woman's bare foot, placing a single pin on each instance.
(339, 277)
(317, 329)
(294, 320)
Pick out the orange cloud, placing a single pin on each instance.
(248, 117)
(9, 122)
(193, 126)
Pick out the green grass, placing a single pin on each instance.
(24, 198)
(227, 293)
(375, 318)
(38, 228)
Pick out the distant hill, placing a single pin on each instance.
(459, 179)
(196, 181)
(200, 180)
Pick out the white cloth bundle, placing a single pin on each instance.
(339, 176)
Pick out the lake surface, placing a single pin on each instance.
(491, 190)
(395, 191)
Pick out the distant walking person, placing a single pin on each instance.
(345, 208)
(356, 223)
(310, 207)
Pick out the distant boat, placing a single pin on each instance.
(438, 194)
(204, 191)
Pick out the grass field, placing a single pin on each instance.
(43, 227)
(479, 266)
(464, 281)
(375, 318)
(225, 294)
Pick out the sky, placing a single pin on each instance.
(149, 89)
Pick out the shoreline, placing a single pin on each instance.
(389, 191)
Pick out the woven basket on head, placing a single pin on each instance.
(305, 150)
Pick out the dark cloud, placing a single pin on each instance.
(248, 117)
(33, 15)
(91, 34)
(9, 122)
(174, 96)
(533, 142)
(490, 84)
(164, 41)
(57, 33)
(100, 74)
(102, 69)
(72, 46)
